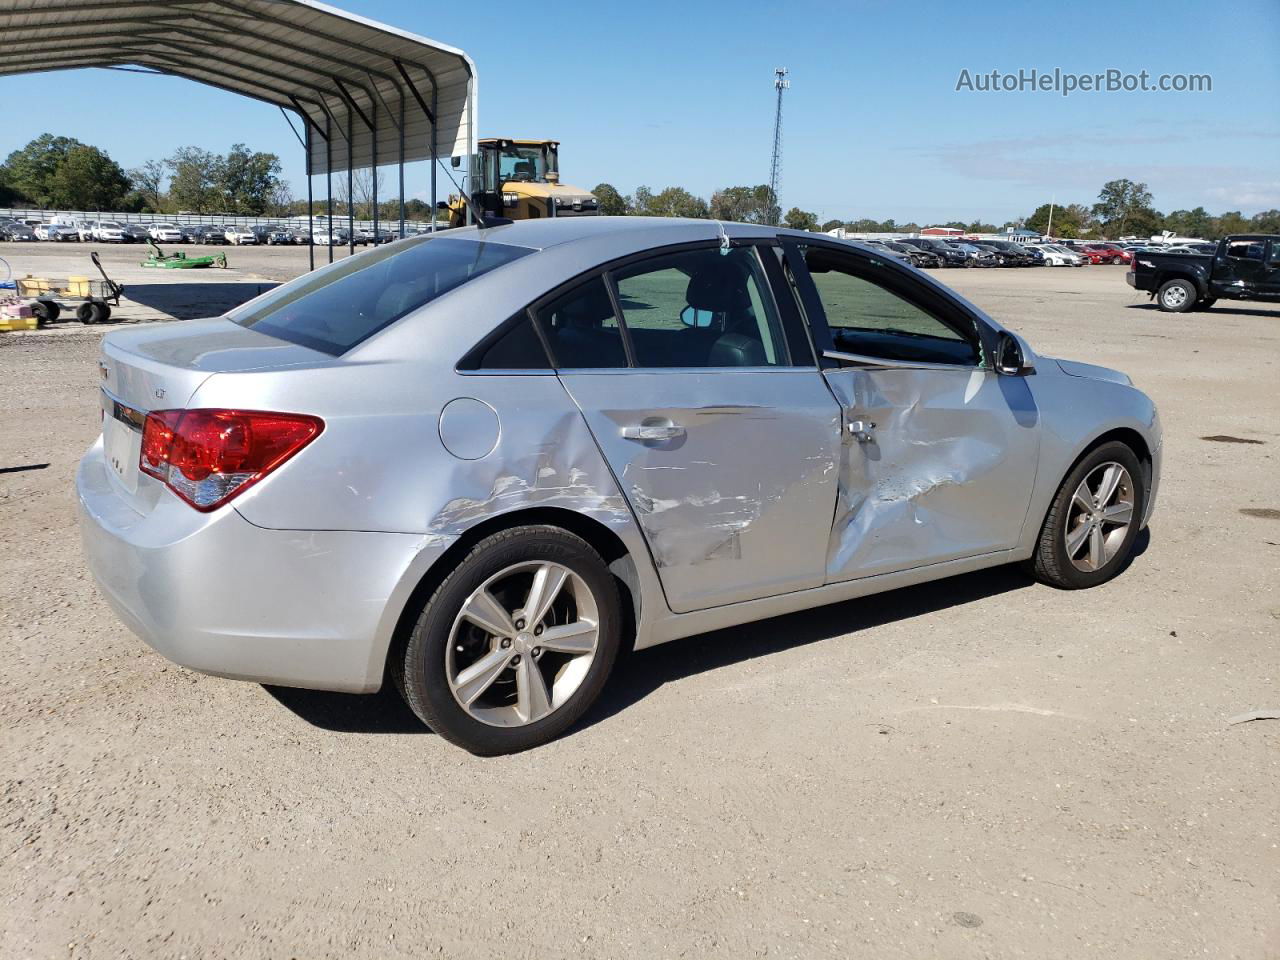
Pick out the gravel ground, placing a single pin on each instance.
(975, 768)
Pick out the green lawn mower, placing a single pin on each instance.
(180, 261)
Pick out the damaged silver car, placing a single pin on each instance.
(479, 464)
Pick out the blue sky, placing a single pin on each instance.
(667, 93)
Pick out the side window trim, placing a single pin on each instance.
(983, 335)
(611, 287)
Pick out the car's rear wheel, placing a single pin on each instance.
(1089, 532)
(1177, 296)
(515, 644)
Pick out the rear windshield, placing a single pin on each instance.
(336, 308)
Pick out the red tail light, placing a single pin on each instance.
(208, 457)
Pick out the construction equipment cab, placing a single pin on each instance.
(519, 180)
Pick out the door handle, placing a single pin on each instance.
(658, 430)
(862, 430)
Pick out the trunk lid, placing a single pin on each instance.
(160, 367)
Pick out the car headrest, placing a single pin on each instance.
(720, 288)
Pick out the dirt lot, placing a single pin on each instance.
(975, 768)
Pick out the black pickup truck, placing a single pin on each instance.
(1244, 267)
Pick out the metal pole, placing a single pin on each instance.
(351, 193)
(328, 179)
(373, 170)
(401, 166)
(311, 240)
(434, 157)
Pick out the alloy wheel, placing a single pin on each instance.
(1099, 517)
(522, 644)
(1175, 296)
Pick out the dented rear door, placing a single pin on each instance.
(731, 474)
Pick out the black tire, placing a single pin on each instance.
(46, 311)
(1177, 296)
(421, 673)
(1206, 303)
(89, 312)
(1050, 563)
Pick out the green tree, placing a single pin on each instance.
(29, 172)
(977, 226)
(1189, 223)
(1069, 222)
(831, 225)
(148, 182)
(743, 204)
(865, 225)
(1123, 207)
(1225, 224)
(642, 201)
(798, 219)
(195, 179)
(611, 202)
(248, 180)
(9, 197)
(672, 202)
(87, 179)
(1268, 221)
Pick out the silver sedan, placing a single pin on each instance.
(482, 463)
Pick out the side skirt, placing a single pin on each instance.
(680, 625)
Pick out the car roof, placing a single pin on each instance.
(552, 231)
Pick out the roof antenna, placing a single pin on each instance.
(724, 239)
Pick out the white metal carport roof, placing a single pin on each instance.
(371, 94)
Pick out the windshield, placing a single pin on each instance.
(525, 164)
(337, 307)
(111, 225)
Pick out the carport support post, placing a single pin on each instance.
(373, 170)
(328, 179)
(351, 193)
(401, 165)
(311, 241)
(435, 159)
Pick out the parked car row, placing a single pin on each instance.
(115, 231)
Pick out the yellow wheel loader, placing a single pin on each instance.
(519, 180)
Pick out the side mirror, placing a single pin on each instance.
(1010, 360)
(455, 162)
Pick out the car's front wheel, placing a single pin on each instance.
(515, 644)
(1089, 532)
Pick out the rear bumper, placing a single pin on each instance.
(217, 594)
(1131, 279)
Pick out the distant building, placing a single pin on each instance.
(942, 232)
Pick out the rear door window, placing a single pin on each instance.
(701, 309)
(581, 328)
(1245, 249)
(337, 307)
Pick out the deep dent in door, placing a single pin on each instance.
(934, 482)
